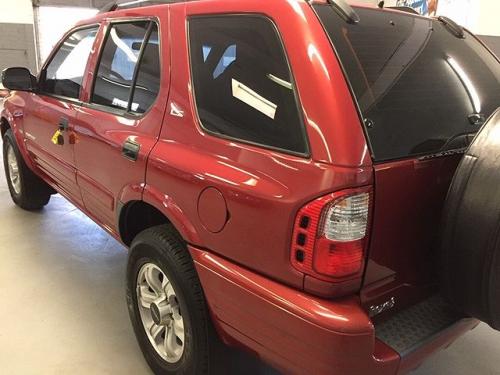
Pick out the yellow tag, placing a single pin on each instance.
(55, 138)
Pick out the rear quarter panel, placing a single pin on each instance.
(262, 189)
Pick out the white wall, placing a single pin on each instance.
(16, 11)
(65, 18)
(488, 22)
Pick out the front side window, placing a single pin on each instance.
(242, 82)
(118, 63)
(64, 74)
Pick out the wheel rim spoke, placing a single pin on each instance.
(146, 297)
(170, 344)
(155, 330)
(153, 281)
(178, 328)
(13, 167)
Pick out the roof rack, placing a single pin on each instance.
(453, 27)
(344, 10)
(404, 9)
(128, 4)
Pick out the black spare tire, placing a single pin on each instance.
(470, 242)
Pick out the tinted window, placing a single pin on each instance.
(242, 82)
(414, 80)
(119, 58)
(64, 74)
(148, 77)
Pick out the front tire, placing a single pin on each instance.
(166, 304)
(27, 190)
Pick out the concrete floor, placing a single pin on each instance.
(63, 311)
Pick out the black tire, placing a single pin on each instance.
(470, 243)
(163, 247)
(33, 193)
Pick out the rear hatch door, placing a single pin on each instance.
(423, 92)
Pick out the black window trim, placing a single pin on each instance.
(116, 111)
(349, 85)
(307, 154)
(43, 71)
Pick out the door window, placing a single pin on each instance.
(119, 58)
(148, 81)
(64, 74)
(242, 82)
(128, 68)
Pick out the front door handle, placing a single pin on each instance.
(131, 149)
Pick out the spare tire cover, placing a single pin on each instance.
(470, 237)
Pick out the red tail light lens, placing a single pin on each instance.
(330, 235)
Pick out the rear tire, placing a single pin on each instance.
(161, 251)
(27, 190)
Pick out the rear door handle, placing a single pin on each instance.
(131, 149)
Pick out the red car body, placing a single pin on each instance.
(257, 298)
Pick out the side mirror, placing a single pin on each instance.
(19, 79)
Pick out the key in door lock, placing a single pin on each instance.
(58, 137)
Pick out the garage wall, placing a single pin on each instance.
(17, 36)
(65, 17)
(66, 13)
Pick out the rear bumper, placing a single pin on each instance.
(298, 333)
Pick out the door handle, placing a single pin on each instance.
(131, 149)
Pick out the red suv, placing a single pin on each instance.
(277, 168)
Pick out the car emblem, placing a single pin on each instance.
(378, 309)
(175, 110)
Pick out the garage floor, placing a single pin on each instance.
(63, 308)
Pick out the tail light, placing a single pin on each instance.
(330, 235)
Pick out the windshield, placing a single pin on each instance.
(420, 89)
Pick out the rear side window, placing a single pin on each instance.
(242, 82)
(419, 87)
(64, 74)
(148, 79)
(129, 67)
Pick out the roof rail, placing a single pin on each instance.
(109, 7)
(128, 4)
(404, 9)
(344, 10)
(453, 27)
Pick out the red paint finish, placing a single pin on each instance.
(40, 124)
(409, 197)
(285, 322)
(212, 210)
(298, 333)
(103, 172)
(260, 186)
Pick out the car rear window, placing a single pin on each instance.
(420, 89)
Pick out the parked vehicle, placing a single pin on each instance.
(278, 170)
